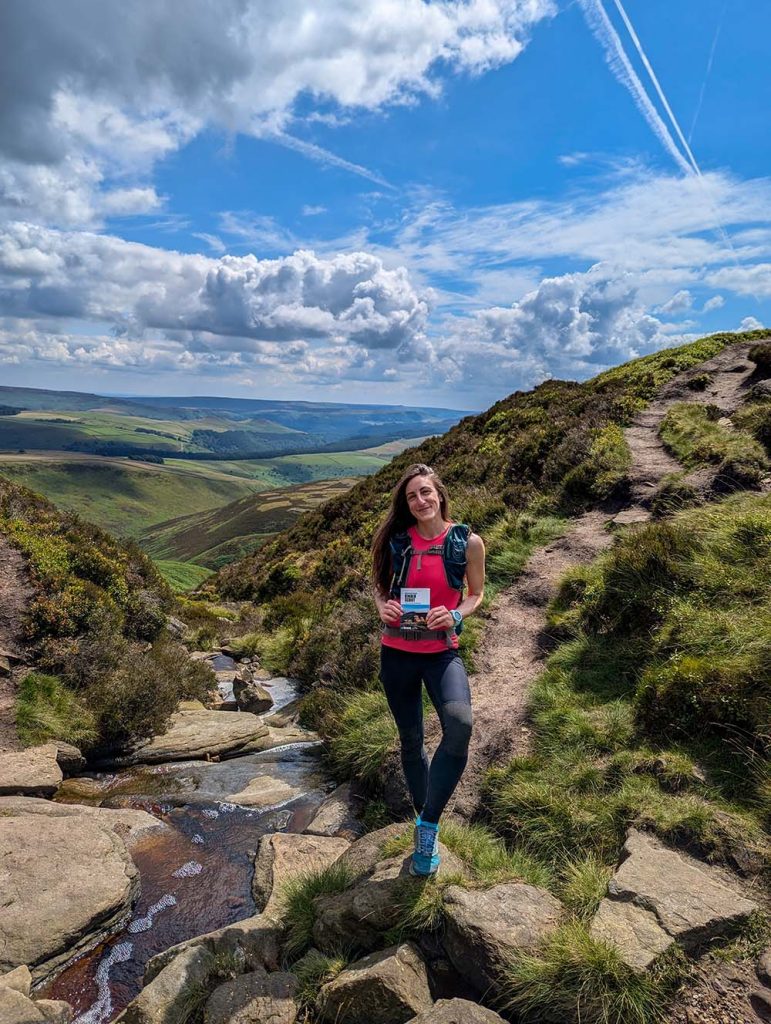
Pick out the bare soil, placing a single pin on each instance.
(722, 993)
(15, 593)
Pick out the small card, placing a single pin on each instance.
(416, 604)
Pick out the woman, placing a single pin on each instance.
(419, 560)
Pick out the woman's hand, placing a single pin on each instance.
(390, 612)
(440, 618)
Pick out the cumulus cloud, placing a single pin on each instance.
(715, 302)
(750, 323)
(116, 86)
(157, 303)
(569, 326)
(679, 303)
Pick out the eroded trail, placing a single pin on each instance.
(515, 643)
(15, 593)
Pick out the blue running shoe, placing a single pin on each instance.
(425, 859)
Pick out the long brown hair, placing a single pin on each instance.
(399, 518)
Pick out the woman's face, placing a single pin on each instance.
(423, 499)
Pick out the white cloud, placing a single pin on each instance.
(716, 302)
(313, 211)
(680, 302)
(95, 92)
(750, 323)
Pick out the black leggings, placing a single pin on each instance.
(402, 674)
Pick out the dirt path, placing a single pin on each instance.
(15, 593)
(515, 645)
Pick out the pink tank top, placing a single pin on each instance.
(427, 571)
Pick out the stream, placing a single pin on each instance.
(195, 875)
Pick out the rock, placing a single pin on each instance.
(282, 856)
(457, 1011)
(130, 823)
(691, 900)
(176, 627)
(266, 791)
(630, 516)
(279, 737)
(253, 942)
(760, 1000)
(69, 758)
(203, 655)
(388, 987)
(166, 999)
(762, 968)
(366, 852)
(5, 666)
(286, 715)
(68, 883)
(191, 705)
(761, 391)
(55, 1011)
(193, 735)
(253, 999)
(360, 915)
(250, 696)
(19, 979)
(31, 772)
(16, 1008)
(634, 930)
(483, 928)
(338, 815)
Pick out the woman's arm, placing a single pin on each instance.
(440, 617)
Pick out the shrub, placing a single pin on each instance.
(761, 356)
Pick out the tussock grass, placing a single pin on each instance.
(691, 432)
(313, 970)
(298, 898)
(46, 710)
(583, 884)
(365, 734)
(575, 978)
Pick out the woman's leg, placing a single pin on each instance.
(401, 676)
(448, 687)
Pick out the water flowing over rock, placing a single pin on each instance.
(31, 772)
(483, 928)
(193, 735)
(69, 882)
(166, 999)
(281, 857)
(388, 987)
(667, 897)
(254, 998)
(457, 1011)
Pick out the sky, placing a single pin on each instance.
(376, 200)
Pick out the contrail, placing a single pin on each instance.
(324, 156)
(657, 87)
(620, 65)
(708, 72)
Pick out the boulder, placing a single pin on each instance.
(19, 979)
(281, 856)
(254, 998)
(266, 791)
(55, 1011)
(166, 999)
(457, 1011)
(338, 815)
(176, 627)
(271, 738)
(691, 901)
(69, 758)
(31, 772)
(68, 883)
(633, 930)
(763, 967)
(388, 987)
(129, 823)
(194, 735)
(366, 852)
(253, 942)
(5, 665)
(286, 715)
(485, 927)
(251, 696)
(16, 1008)
(359, 916)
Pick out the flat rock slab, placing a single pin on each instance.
(366, 852)
(129, 823)
(16, 1008)
(253, 999)
(691, 901)
(457, 1011)
(388, 987)
(483, 928)
(272, 737)
(266, 791)
(67, 883)
(193, 735)
(635, 932)
(31, 772)
(338, 815)
(166, 999)
(282, 856)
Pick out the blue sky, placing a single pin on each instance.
(385, 200)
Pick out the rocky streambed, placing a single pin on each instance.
(177, 820)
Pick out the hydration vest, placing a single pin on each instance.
(452, 550)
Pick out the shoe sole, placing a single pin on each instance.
(422, 874)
